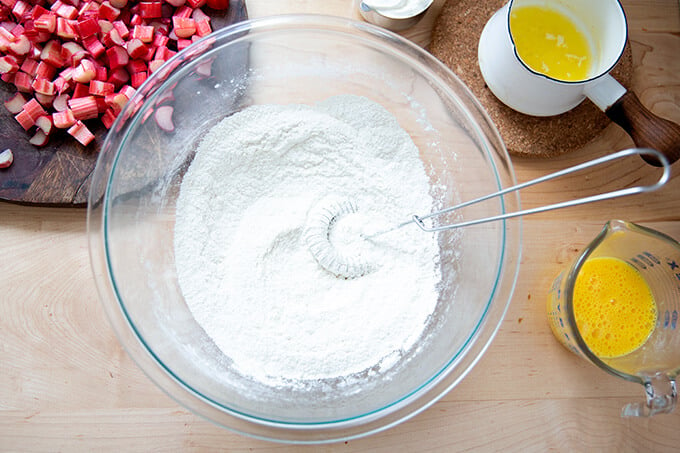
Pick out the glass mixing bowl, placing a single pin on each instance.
(303, 60)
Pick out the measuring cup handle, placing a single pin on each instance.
(645, 128)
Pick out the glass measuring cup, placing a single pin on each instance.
(656, 363)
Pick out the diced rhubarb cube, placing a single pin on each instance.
(66, 29)
(136, 48)
(183, 12)
(80, 90)
(15, 104)
(62, 85)
(85, 71)
(122, 29)
(21, 46)
(69, 49)
(94, 46)
(81, 133)
(136, 66)
(99, 88)
(102, 73)
(23, 82)
(21, 9)
(60, 102)
(30, 66)
(34, 109)
(87, 27)
(45, 99)
(119, 3)
(64, 10)
(136, 19)
(84, 108)
(116, 101)
(108, 118)
(183, 27)
(45, 124)
(154, 65)
(88, 9)
(112, 38)
(203, 28)
(105, 26)
(128, 91)
(183, 43)
(196, 3)
(108, 11)
(25, 120)
(53, 53)
(8, 64)
(43, 86)
(63, 119)
(45, 71)
(118, 77)
(37, 11)
(137, 78)
(143, 32)
(117, 57)
(47, 22)
(40, 138)
(150, 9)
(160, 40)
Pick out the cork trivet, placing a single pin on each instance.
(454, 41)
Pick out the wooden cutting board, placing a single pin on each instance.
(59, 174)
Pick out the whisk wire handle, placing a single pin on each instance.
(599, 197)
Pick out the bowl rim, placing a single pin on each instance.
(160, 373)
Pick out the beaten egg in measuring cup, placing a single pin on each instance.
(614, 307)
(550, 43)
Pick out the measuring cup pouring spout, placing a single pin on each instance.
(536, 91)
(654, 361)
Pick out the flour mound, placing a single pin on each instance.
(242, 261)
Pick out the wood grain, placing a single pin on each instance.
(59, 173)
(67, 385)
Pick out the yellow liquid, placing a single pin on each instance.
(614, 308)
(550, 43)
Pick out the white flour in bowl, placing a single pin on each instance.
(242, 262)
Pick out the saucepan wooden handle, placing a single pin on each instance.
(645, 128)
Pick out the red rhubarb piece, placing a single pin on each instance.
(34, 109)
(6, 158)
(40, 138)
(23, 81)
(85, 71)
(87, 27)
(98, 88)
(81, 133)
(25, 120)
(220, 5)
(60, 102)
(15, 104)
(108, 11)
(63, 119)
(43, 86)
(84, 108)
(136, 48)
(8, 64)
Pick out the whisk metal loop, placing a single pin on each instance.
(418, 220)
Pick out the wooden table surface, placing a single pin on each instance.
(67, 385)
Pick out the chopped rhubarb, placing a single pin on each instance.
(136, 48)
(21, 46)
(34, 109)
(203, 27)
(45, 71)
(40, 138)
(30, 66)
(25, 120)
(183, 27)
(8, 64)
(118, 77)
(108, 118)
(81, 133)
(15, 104)
(143, 32)
(196, 3)
(46, 22)
(150, 10)
(66, 29)
(23, 82)
(98, 88)
(121, 28)
(43, 86)
(84, 108)
(137, 78)
(54, 54)
(87, 27)
(60, 102)
(108, 11)
(6, 158)
(45, 99)
(119, 3)
(63, 119)
(80, 90)
(94, 46)
(85, 71)
(45, 124)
